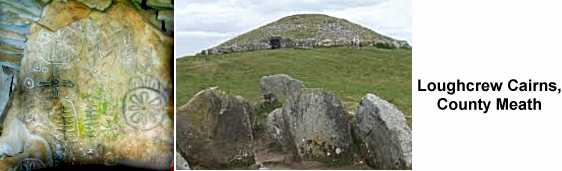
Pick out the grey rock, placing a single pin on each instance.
(159, 12)
(276, 128)
(167, 18)
(155, 3)
(385, 134)
(29, 9)
(8, 80)
(279, 87)
(6, 50)
(313, 126)
(181, 163)
(215, 130)
(160, 3)
(49, 50)
(327, 43)
(99, 5)
(11, 42)
(8, 34)
(403, 44)
(15, 20)
(166, 15)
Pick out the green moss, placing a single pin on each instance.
(262, 110)
(98, 107)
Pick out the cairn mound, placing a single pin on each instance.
(307, 31)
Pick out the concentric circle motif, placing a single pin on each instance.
(28, 83)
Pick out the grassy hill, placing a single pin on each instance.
(306, 30)
(305, 26)
(350, 73)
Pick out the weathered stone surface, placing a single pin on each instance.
(8, 34)
(280, 87)
(159, 13)
(215, 130)
(8, 80)
(313, 126)
(276, 127)
(15, 20)
(23, 8)
(160, 3)
(166, 15)
(94, 87)
(59, 14)
(166, 18)
(15, 139)
(145, 4)
(100, 5)
(181, 163)
(387, 139)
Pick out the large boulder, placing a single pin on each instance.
(215, 130)
(279, 87)
(387, 139)
(313, 126)
(93, 87)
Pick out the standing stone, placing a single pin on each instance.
(215, 130)
(383, 130)
(279, 87)
(313, 126)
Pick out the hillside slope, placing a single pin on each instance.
(349, 72)
(306, 31)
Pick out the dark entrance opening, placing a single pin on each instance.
(275, 42)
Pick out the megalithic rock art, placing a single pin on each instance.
(93, 87)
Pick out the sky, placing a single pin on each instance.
(202, 24)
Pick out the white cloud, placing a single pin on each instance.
(201, 24)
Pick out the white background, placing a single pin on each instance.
(487, 40)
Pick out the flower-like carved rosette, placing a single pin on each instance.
(144, 108)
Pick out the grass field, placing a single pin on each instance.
(350, 73)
